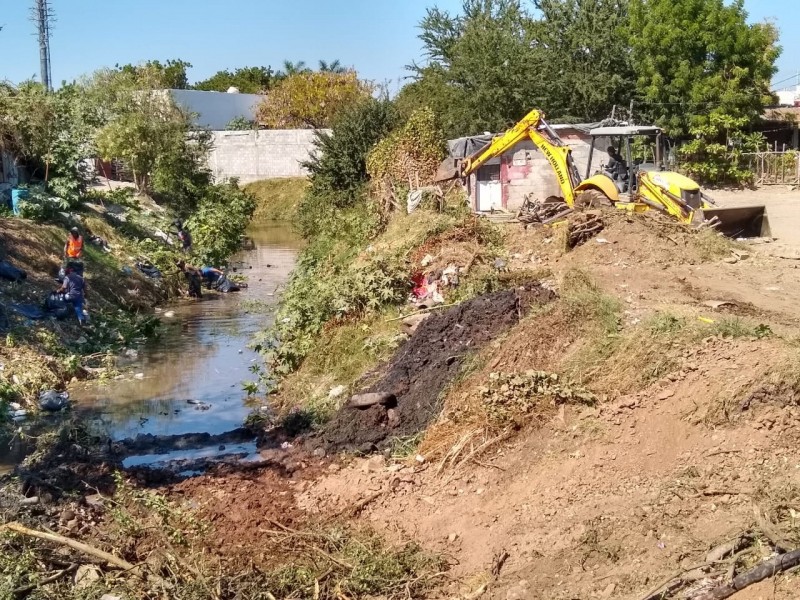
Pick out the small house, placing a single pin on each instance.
(505, 181)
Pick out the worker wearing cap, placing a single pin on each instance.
(73, 249)
(74, 290)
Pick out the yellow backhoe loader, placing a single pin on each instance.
(634, 184)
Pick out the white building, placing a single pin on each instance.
(790, 97)
(214, 110)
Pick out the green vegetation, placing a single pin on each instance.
(337, 197)
(248, 80)
(277, 199)
(219, 221)
(489, 64)
(508, 397)
(311, 99)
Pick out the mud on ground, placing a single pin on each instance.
(426, 364)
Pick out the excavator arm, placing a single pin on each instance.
(534, 127)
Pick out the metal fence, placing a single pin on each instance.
(774, 168)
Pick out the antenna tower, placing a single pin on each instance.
(43, 17)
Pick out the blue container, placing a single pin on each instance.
(17, 195)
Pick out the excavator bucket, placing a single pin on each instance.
(449, 169)
(740, 222)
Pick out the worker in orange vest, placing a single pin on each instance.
(73, 249)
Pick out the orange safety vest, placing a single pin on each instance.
(74, 246)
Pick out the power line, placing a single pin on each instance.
(792, 78)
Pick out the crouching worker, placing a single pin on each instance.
(195, 278)
(74, 290)
(211, 276)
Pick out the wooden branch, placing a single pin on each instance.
(423, 310)
(23, 590)
(676, 582)
(767, 569)
(75, 545)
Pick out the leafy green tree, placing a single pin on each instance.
(248, 80)
(143, 126)
(50, 132)
(218, 221)
(704, 71)
(338, 166)
(481, 71)
(584, 47)
(172, 73)
(698, 59)
(310, 99)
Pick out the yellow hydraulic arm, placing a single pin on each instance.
(545, 138)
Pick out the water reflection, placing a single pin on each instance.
(201, 356)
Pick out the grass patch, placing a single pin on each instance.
(713, 245)
(343, 355)
(586, 305)
(277, 199)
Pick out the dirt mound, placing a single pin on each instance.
(426, 364)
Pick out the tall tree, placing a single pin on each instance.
(293, 68)
(310, 99)
(701, 58)
(585, 49)
(482, 72)
(172, 73)
(334, 66)
(143, 126)
(248, 80)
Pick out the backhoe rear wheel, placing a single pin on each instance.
(588, 199)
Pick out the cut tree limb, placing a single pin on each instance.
(25, 589)
(75, 545)
(767, 569)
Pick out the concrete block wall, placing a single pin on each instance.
(525, 170)
(264, 154)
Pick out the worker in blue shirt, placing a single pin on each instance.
(74, 290)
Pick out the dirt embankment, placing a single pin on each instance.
(691, 443)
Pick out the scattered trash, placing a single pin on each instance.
(169, 314)
(420, 459)
(18, 415)
(148, 269)
(11, 273)
(139, 376)
(53, 401)
(602, 241)
(286, 446)
(427, 260)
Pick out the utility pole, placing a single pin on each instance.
(42, 16)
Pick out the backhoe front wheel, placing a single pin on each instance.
(588, 199)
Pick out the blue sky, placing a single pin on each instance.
(377, 37)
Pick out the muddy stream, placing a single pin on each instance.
(189, 379)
